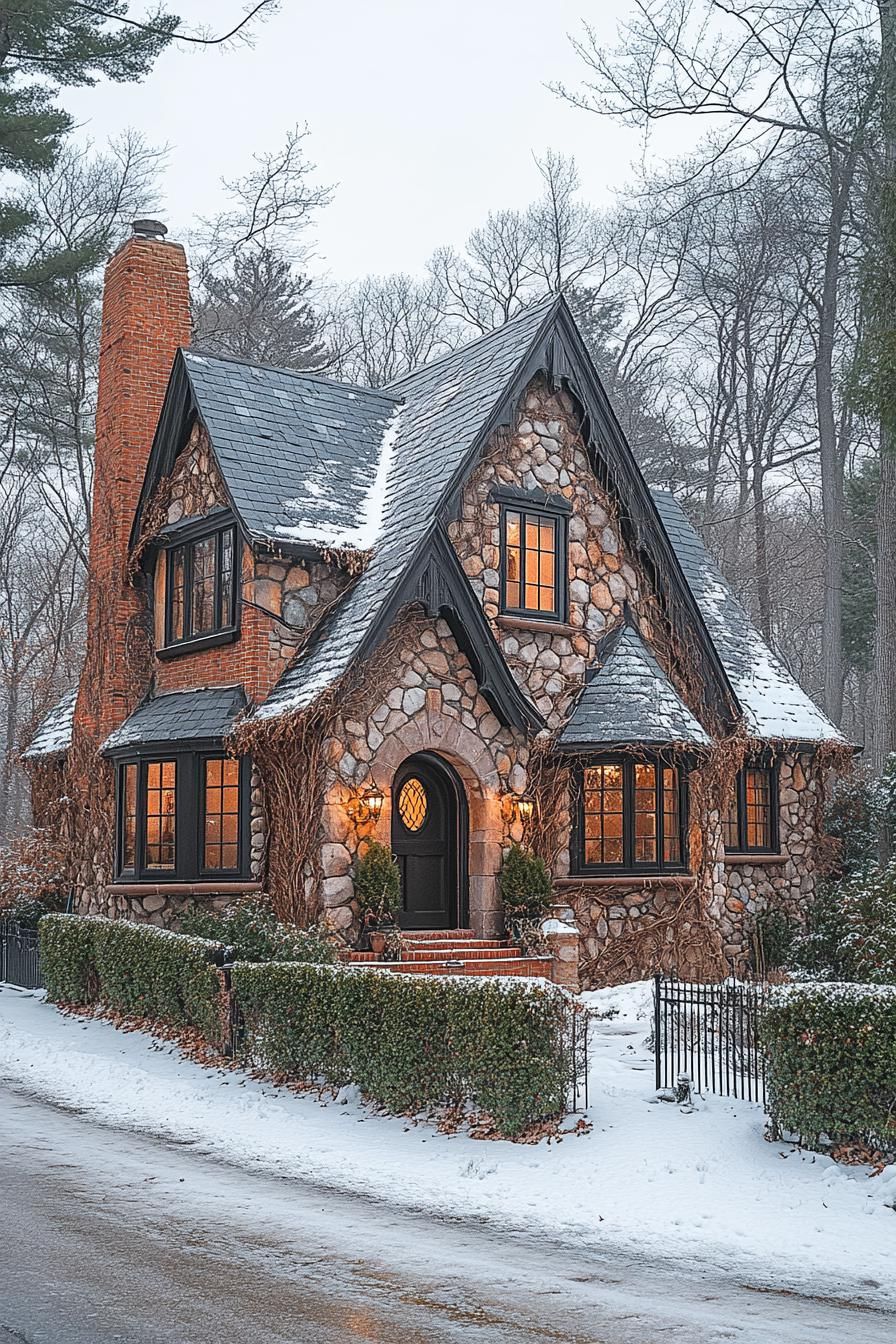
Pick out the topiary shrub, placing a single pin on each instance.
(377, 883)
(136, 969)
(525, 884)
(411, 1042)
(67, 958)
(250, 927)
(831, 1063)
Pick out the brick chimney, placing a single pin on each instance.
(146, 317)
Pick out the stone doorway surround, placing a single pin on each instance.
(432, 731)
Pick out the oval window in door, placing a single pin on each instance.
(412, 804)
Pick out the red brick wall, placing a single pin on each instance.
(146, 317)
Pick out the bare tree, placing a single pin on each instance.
(384, 326)
(252, 296)
(770, 76)
(48, 350)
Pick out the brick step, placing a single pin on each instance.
(448, 953)
(427, 935)
(497, 966)
(472, 944)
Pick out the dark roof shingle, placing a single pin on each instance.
(445, 408)
(54, 734)
(298, 453)
(630, 699)
(775, 706)
(179, 716)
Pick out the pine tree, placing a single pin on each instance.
(258, 309)
(46, 45)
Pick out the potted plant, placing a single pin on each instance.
(526, 894)
(378, 893)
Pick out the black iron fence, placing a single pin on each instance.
(19, 956)
(710, 1032)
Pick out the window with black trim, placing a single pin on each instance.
(750, 820)
(201, 593)
(183, 817)
(533, 562)
(630, 817)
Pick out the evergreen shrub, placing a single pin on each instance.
(377, 884)
(831, 1051)
(413, 1042)
(136, 969)
(525, 885)
(251, 928)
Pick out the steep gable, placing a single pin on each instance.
(299, 455)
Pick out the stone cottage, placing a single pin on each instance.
(448, 613)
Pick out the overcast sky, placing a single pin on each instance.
(423, 116)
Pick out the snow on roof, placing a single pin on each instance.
(445, 407)
(774, 704)
(54, 733)
(299, 453)
(364, 533)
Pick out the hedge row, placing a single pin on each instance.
(412, 1042)
(136, 969)
(831, 1052)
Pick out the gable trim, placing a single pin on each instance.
(438, 582)
(179, 410)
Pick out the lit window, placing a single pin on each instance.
(222, 813)
(749, 824)
(159, 838)
(630, 817)
(183, 817)
(532, 563)
(201, 596)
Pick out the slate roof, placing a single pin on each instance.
(179, 716)
(298, 453)
(628, 699)
(54, 734)
(774, 704)
(447, 407)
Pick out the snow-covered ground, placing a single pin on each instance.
(702, 1188)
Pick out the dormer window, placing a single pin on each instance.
(201, 574)
(533, 556)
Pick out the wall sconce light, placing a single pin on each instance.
(369, 806)
(517, 807)
(525, 808)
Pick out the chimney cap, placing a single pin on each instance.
(149, 228)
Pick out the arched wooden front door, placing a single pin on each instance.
(429, 840)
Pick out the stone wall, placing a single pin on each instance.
(546, 452)
(419, 694)
(744, 889)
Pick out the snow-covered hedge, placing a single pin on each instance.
(136, 969)
(411, 1042)
(832, 1062)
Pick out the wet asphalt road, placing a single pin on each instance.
(110, 1236)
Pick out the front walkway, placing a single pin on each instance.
(700, 1190)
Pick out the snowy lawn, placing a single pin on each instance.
(647, 1179)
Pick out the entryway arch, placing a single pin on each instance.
(430, 840)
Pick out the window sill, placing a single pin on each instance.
(760, 860)
(212, 641)
(539, 627)
(229, 884)
(626, 880)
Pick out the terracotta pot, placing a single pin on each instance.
(377, 942)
